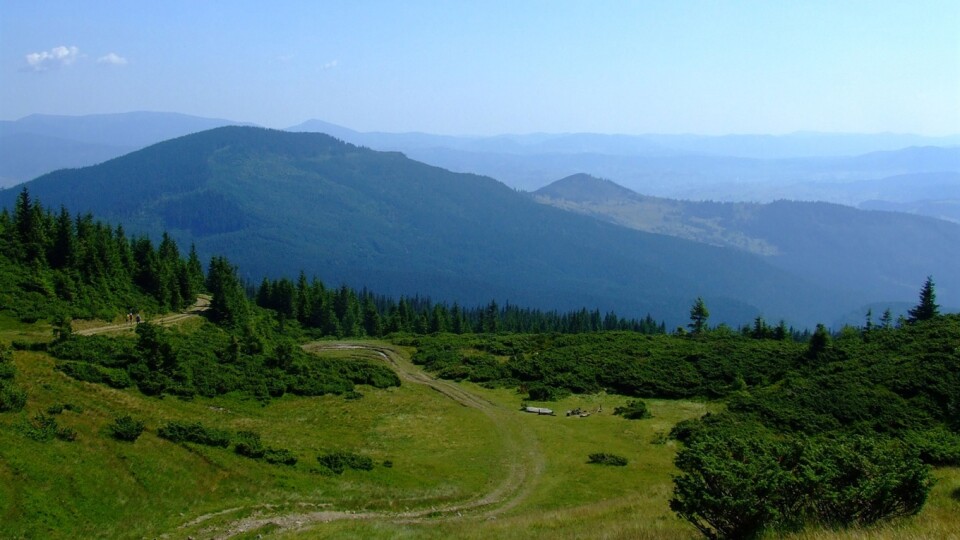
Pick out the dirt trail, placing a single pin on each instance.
(202, 304)
(525, 464)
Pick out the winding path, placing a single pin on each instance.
(202, 304)
(518, 481)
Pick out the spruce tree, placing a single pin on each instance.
(698, 317)
(927, 308)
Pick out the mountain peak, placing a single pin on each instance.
(582, 187)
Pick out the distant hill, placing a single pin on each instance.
(884, 254)
(28, 155)
(277, 202)
(41, 143)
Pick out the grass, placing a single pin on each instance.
(444, 455)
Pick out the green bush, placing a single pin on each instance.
(607, 459)
(737, 485)
(84, 371)
(7, 371)
(56, 408)
(633, 410)
(542, 392)
(280, 456)
(42, 428)
(12, 397)
(194, 432)
(939, 447)
(125, 428)
(340, 461)
(860, 481)
(247, 444)
(66, 434)
(74, 408)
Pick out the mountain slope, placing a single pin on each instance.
(277, 202)
(883, 254)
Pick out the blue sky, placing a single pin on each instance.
(488, 67)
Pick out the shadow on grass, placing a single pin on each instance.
(955, 494)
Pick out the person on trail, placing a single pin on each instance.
(138, 318)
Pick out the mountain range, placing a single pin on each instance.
(760, 168)
(277, 203)
(884, 254)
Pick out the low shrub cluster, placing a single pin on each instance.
(125, 428)
(601, 458)
(12, 397)
(633, 410)
(337, 462)
(83, 371)
(739, 486)
(213, 361)
(43, 428)
(195, 432)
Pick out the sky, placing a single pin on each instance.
(489, 67)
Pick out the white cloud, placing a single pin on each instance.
(112, 59)
(52, 59)
(331, 64)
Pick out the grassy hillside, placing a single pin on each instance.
(445, 458)
(276, 203)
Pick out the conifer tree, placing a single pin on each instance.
(927, 308)
(698, 317)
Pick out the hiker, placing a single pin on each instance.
(138, 318)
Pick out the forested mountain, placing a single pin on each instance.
(276, 203)
(880, 253)
(41, 143)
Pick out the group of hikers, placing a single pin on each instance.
(131, 317)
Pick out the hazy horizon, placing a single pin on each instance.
(496, 68)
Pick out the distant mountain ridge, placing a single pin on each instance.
(41, 143)
(276, 203)
(875, 252)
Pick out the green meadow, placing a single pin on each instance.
(450, 460)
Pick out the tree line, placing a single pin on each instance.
(93, 269)
(345, 312)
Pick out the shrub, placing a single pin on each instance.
(607, 459)
(541, 392)
(71, 407)
(12, 397)
(125, 428)
(340, 461)
(43, 428)
(861, 480)
(194, 432)
(248, 445)
(83, 371)
(733, 487)
(56, 408)
(7, 370)
(633, 410)
(280, 456)
(737, 485)
(939, 447)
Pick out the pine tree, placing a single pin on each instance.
(229, 303)
(927, 308)
(698, 317)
